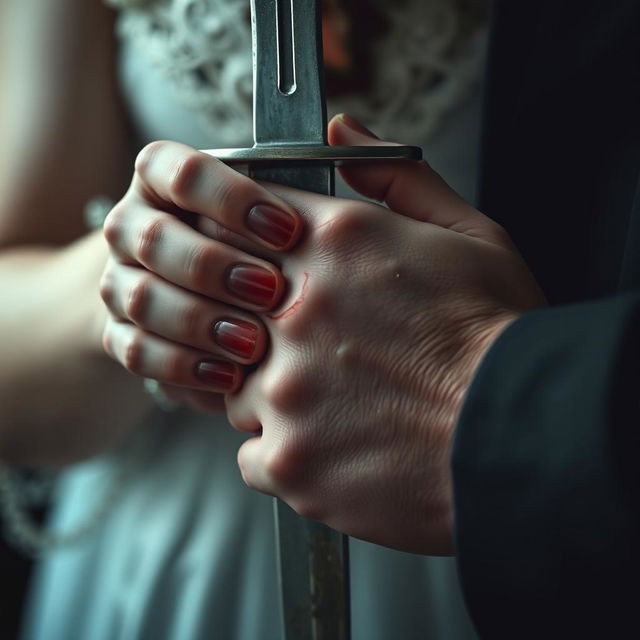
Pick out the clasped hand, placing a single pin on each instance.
(365, 326)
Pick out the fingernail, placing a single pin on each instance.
(217, 373)
(353, 124)
(271, 224)
(236, 336)
(252, 284)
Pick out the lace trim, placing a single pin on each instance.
(20, 493)
(429, 62)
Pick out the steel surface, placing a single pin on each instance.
(289, 110)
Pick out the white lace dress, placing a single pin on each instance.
(187, 551)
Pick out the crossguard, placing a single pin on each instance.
(266, 154)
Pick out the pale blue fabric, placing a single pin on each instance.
(188, 550)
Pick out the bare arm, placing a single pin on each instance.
(64, 140)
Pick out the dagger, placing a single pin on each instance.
(289, 109)
(290, 132)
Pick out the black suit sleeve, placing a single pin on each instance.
(546, 477)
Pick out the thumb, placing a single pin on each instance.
(410, 188)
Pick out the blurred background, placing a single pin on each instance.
(14, 566)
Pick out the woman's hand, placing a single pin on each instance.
(388, 316)
(182, 305)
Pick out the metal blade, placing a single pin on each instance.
(289, 104)
(290, 109)
(288, 98)
(314, 577)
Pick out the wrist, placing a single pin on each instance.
(477, 344)
(456, 375)
(81, 265)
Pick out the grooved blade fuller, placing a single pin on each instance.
(290, 109)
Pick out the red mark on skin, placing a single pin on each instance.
(289, 311)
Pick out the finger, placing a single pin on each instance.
(177, 315)
(413, 189)
(251, 461)
(217, 232)
(193, 180)
(147, 355)
(169, 248)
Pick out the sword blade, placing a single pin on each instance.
(313, 577)
(290, 109)
(289, 104)
(288, 98)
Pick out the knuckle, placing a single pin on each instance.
(235, 420)
(190, 323)
(247, 478)
(114, 224)
(286, 463)
(138, 299)
(347, 222)
(133, 354)
(185, 175)
(241, 421)
(288, 466)
(283, 391)
(280, 391)
(107, 341)
(107, 287)
(307, 508)
(173, 367)
(150, 236)
(146, 155)
(199, 267)
(231, 195)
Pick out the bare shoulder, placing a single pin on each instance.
(63, 128)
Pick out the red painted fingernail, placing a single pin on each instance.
(252, 284)
(236, 336)
(217, 373)
(271, 224)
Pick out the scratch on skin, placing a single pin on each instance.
(290, 310)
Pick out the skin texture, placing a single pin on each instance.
(65, 139)
(390, 313)
(168, 286)
(374, 322)
(380, 318)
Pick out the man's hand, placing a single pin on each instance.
(387, 317)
